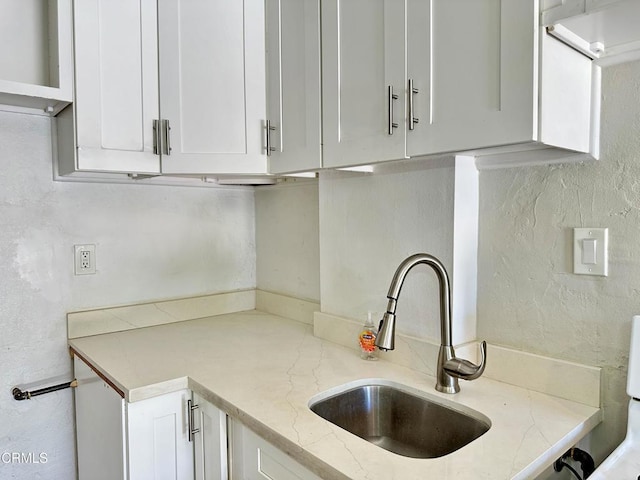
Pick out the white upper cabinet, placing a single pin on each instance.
(474, 77)
(293, 85)
(166, 86)
(363, 81)
(470, 65)
(212, 85)
(116, 65)
(36, 56)
(552, 111)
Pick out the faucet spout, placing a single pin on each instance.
(449, 367)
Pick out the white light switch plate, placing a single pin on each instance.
(590, 251)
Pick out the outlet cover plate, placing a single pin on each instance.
(84, 259)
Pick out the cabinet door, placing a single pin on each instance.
(116, 101)
(256, 459)
(362, 56)
(99, 426)
(210, 442)
(158, 441)
(212, 85)
(569, 87)
(474, 66)
(293, 85)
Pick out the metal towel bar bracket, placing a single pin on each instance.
(19, 394)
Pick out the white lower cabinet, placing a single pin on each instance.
(100, 427)
(210, 440)
(253, 458)
(158, 445)
(142, 440)
(175, 436)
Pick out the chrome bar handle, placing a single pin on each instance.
(190, 423)
(412, 91)
(270, 147)
(156, 137)
(166, 144)
(390, 123)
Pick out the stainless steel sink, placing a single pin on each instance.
(400, 419)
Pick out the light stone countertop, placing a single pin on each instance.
(262, 370)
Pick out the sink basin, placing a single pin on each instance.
(400, 419)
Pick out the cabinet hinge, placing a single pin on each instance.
(270, 128)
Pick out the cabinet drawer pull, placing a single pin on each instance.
(390, 123)
(412, 91)
(156, 137)
(190, 421)
(166, 144)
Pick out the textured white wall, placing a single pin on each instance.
(369, 223)
(528, 297)
(287, 239)
(152, 243)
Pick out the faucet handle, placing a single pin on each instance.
(460, 368)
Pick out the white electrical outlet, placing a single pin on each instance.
(84, 259)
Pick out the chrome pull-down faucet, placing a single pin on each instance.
(449, 367)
